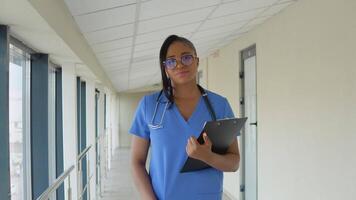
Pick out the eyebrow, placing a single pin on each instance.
(183, 53)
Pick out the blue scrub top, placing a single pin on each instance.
(168, 147)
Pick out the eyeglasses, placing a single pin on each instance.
(186, 60)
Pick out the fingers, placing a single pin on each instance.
(190, 146)
(191, 143)
(206, 139)
(193, 140)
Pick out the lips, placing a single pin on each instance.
(182, 73)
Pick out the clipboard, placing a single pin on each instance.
(221, 134)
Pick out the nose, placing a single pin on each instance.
(179, 64)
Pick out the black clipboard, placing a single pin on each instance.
(221, 134)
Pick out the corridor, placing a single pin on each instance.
(77, 78)
(118, 183)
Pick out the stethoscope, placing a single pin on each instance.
(160, 125)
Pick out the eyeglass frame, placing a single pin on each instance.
(180, 60)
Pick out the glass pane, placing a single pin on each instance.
(17, 63)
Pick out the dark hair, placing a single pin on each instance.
(166, 82)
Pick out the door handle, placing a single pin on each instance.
(253, 124)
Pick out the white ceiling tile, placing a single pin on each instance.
(80, 7)
(208, 42)
(157, 8)
(113, 53)
(148, 46)
(152, 53)
(209, 37)
(145, 68)
(114, 45)
(142, 59)
(110, 34)
(275, 9)
(241, 6)
(163, 34)
(223, 30)
(110, 18)
(147, 65)
(118, 65)
(116, 68)
(207, 46)
(228, 1)
(206, 38)
(217, 24)
(230, 19)
(113, 60)
(173, 20)
(120, 75)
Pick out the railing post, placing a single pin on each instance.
(69, 189)
(80, 179)
(88, 177)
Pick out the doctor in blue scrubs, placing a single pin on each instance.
(169, 122)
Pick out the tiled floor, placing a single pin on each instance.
(119, 185)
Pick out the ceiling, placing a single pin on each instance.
(126, 35)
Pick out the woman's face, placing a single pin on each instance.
(182, 73)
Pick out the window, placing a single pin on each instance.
(19, 88)
(81, 128)
(55, 128)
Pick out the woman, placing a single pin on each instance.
(169, 122)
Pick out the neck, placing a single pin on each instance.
(188, 90)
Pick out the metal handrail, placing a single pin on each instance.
(85, 188)
(57, 183)
(81, 190)
(83, 153)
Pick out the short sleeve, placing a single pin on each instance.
(139, 125)
(228, 113)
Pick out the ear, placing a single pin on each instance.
(197, 61)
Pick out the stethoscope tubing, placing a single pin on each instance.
(160, 125)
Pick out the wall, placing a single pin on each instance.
(90, 120)
(306, 94)
(127, 106)
(69, 124)
(115, 122)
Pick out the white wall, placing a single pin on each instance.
(69, 124)
(108, 130)
(114, 122)
(101, 133)
(127, 106)
(306, 94)
(90, 121)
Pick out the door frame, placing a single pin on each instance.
(246, 53)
